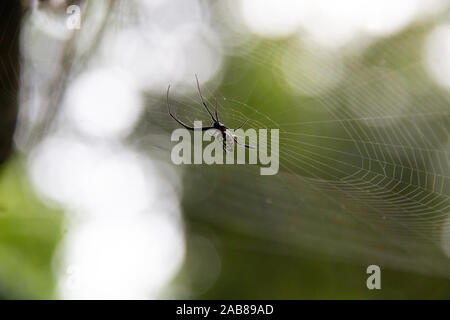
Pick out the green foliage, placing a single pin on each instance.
(29, 234)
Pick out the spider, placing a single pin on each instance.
(223, 131)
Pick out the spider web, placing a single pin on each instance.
(364, 178)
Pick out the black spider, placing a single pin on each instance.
(223, 130)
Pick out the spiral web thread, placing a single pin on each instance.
(368, 181)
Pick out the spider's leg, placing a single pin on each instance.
(179, 121)
(244, 145)
(203, 101)
(224, 141)
(243, 124)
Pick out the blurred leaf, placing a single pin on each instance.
(29, 234)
